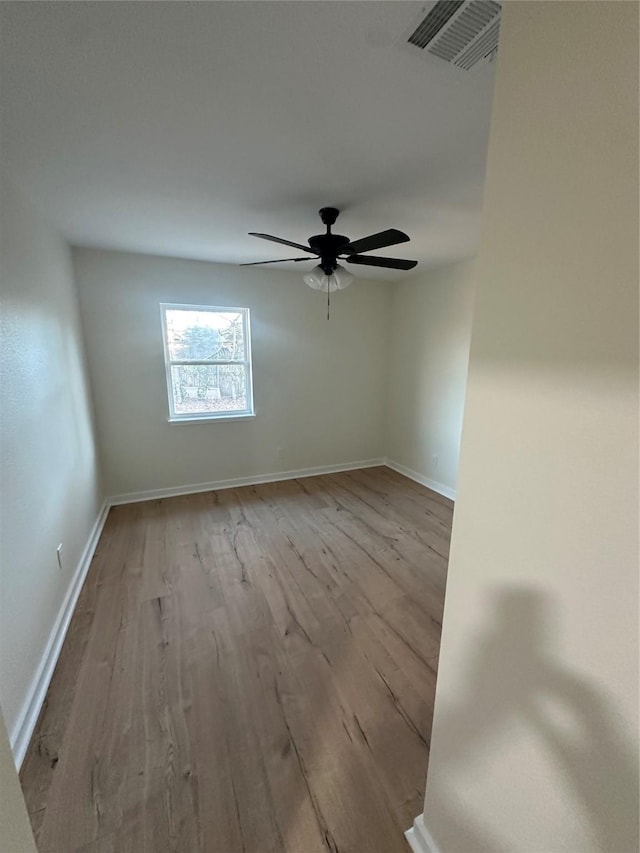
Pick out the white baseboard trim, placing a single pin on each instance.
(216, 485)
(434, 485)
(25, 724)
(420, 839)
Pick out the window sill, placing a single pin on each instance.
(199, 419)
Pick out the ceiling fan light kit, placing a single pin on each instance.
(329, 276)
(319, 280)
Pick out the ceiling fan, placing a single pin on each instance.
(329, 248)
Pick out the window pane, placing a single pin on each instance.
(202, 388)
(202, 335)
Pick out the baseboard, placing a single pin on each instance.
(434, 485)
(28, 717)
(420, 839)
(216, 485)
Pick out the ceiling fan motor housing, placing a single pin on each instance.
(329, 246)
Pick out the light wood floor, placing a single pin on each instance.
(248, 670)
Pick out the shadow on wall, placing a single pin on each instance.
(513, 680)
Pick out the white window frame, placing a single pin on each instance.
(177, 417)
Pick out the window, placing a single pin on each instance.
(207, 354)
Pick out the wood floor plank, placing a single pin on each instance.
(248, 670)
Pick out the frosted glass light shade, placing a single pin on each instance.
(319, 280)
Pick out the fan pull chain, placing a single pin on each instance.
(328, 298)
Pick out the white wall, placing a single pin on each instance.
(16, 830)
(429, 346)
(50, 491)
(535, 737)
(319, 386)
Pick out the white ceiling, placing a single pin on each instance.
(175, 128)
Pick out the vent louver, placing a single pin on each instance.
(462, 32)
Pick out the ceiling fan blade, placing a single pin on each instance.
(284, 242)
(390, 237)
(278, 261)
(373, 261)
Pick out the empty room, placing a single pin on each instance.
(319, 426)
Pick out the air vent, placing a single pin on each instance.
(463, 32)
